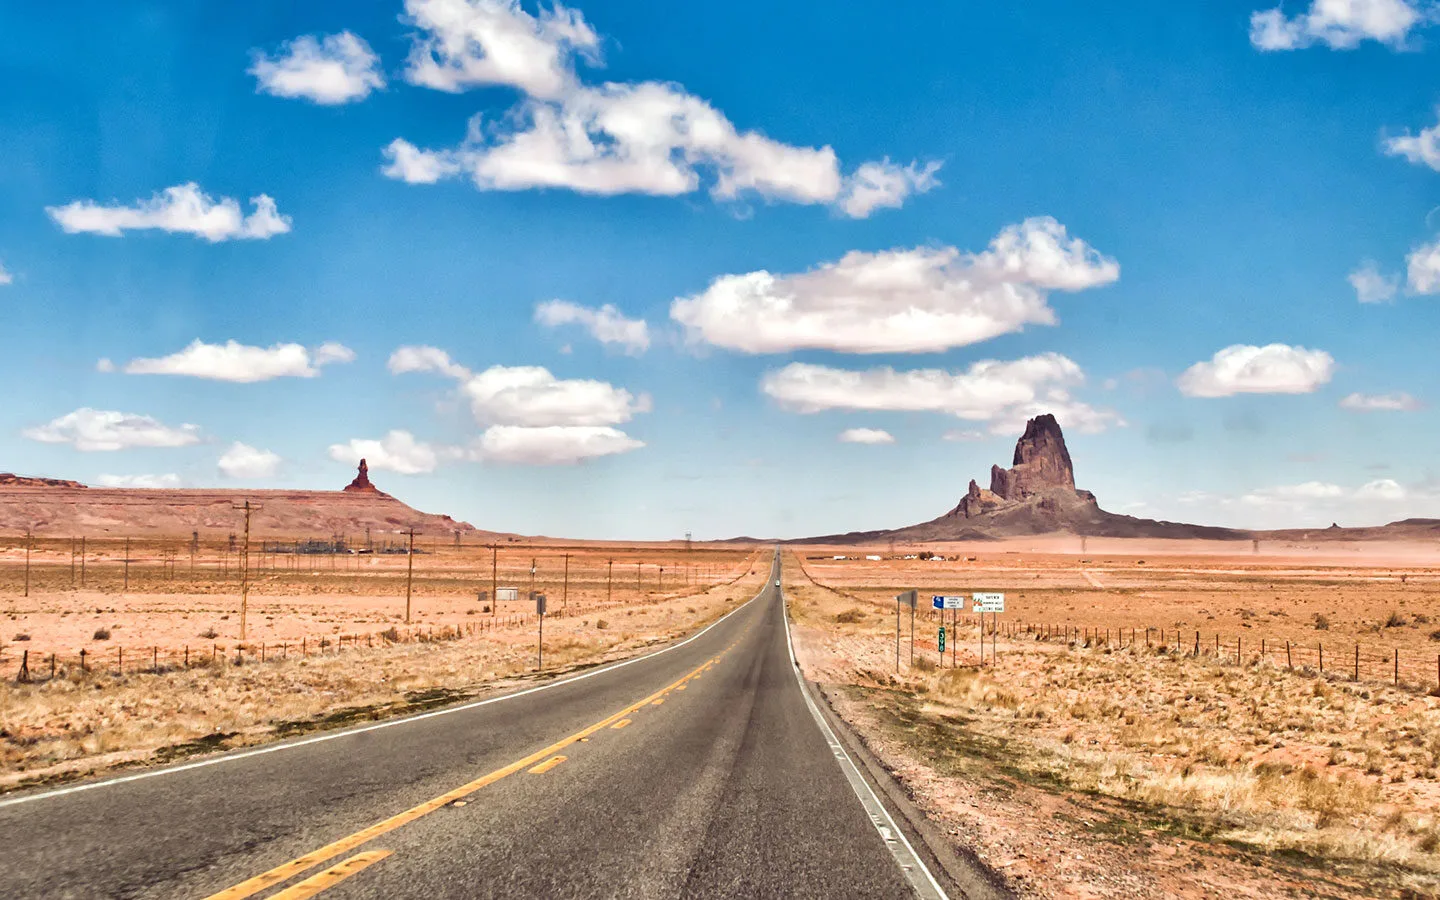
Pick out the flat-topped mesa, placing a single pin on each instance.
(362, 481)
(1041, 469)
(9, 479)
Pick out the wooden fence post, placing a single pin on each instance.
(1288, 663)
(1357, 662)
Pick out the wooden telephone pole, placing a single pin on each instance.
(409, 572)
(565, 588)
(244, 564)
(494, 581)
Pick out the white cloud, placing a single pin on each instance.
(184, 209)
(1003, 394)
(425, 359)
(233, 361)
(335, 69)
(398, 452)
(866, 436)
(1423, 269)
(649, 138)
(1310, 490)
(526, 395)
(877, 185)
(1246, 369)
(244, 461)
(168, 480)
(467, 43)
(5, 276)
(606, 324)
(95, 429)
(1339, 24)
(1373, 287)
(1381, 489)
(104, 364)
(550, 445)
(964, 436)
(1421, 149)
(1400, 402)
(899, 301)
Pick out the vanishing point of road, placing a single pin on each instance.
(706, 769)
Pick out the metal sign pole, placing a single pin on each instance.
(897, 632)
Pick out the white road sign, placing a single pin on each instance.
(942, 602)
(988, 603)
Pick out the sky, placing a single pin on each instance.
(633, 270)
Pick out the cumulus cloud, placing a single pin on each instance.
(167, 480)
(613, 138)
(335, 69)
(877, 185)
(398, 451)
(866, 436)
(244, 461)
(233, 361)
(1381, 489)
(1373, 287)
(1423, 149)
(1399, 402)
(923, 300)
(1423, 269)
(5, 276)
(461, 44)
(183, 209)
(550, 445)
(1338, 24)
(606, 324)
(1310, 490)
(1246, 369)
(526, 395)
(963, 436)
(1003, 394)
(530, 416)
(97, 429)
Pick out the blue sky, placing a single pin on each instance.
(683, 250)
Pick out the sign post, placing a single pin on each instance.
(954, 604)
(993, 604)
(909, 598)
(540, 615)
(941, 643)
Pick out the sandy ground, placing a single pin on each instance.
(81, 722)
(1100, 772)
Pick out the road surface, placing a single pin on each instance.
(702, 770)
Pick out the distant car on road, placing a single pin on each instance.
(777, 582)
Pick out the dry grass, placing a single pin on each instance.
(84, 722)
(1248, 755)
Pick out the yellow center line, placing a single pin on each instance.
(331, 876)
(547, 765)
(286, 871)
(621, 724)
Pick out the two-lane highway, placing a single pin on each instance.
(702, 770)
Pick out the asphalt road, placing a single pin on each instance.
(699, 771)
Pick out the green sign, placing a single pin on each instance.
(942, 638)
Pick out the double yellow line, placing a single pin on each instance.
(319, 882)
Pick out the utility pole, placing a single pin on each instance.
(637, 576)
(29, 539)
(409, 572)
(609, 570)
(565, 589)
(494, 581)
(244, 565)
(72, 563)
(82, 561)
(532, 577)
(127, 565)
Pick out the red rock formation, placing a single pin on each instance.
(362, 481)
(1041, 462)
(8, 479)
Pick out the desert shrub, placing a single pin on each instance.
(1322, 622)
(209, 634)
(102, 634)
(601, 624)
(391, 634)
(22, 637)
(1422, 619)
(1395, 620)
(1435, 635)
(850, 616)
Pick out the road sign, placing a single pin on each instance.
(908, 598)
(942, 638)
(940, 602)
(539, 604)
(988, 603)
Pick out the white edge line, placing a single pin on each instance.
(844, 759)
(335, 735)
